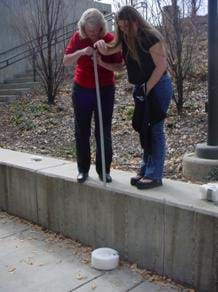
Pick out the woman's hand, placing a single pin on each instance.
(108, 66)
(146, 89)
(71, 59)
(87, 51)
(101, 46)
(99, 59)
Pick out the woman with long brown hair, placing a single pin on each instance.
(146, 61)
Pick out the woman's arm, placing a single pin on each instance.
(71, 59)
(159, 57)
(105, 49)
(110, 66)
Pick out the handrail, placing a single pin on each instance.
(26, 43)
(12, 59)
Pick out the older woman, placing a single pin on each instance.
(92, 27)
(146, 62)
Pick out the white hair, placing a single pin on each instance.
(92, 16)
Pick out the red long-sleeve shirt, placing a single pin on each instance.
(84, 71)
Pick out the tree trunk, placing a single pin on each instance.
(180, 101)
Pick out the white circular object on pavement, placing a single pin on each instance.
(36, 158)
(104, 259)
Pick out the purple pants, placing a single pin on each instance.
(85, 104)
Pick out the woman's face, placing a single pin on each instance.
(127, 27)
(92, 32)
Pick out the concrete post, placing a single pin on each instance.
(213, 73)
(203, 164)
(210, 151)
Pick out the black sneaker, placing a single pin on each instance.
(108, 177)
(82, 176)
(145, 185)
(135, 179)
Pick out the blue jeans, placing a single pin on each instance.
(153, 164)
(85, 105)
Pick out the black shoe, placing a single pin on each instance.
(135, 179)
(144, 185)
(108, 177)
(82, 176)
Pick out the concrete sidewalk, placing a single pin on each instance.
(35, 260)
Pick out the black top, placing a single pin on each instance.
(138, 74)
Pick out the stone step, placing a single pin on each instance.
(14, 91)
(20, 79)
(24, 74)
(19, 85)
(7, 98)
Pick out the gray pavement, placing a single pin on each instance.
(35, 260)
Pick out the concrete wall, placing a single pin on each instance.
(7, 17)
(9, 37)
(169, 230)
(3, 188)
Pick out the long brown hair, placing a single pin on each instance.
(132, 39)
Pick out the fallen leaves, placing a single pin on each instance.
(12, 270)
(93, 286)
(80, 276)
(85, 261)
(28, 261)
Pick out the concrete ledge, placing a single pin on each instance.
(168, 229)
(197, 168)
(206, 151)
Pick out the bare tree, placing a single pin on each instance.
(119, 3)
(181, 35)
(194, 6)
(40, 27)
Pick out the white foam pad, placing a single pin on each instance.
(209, 192)
(104, 259)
